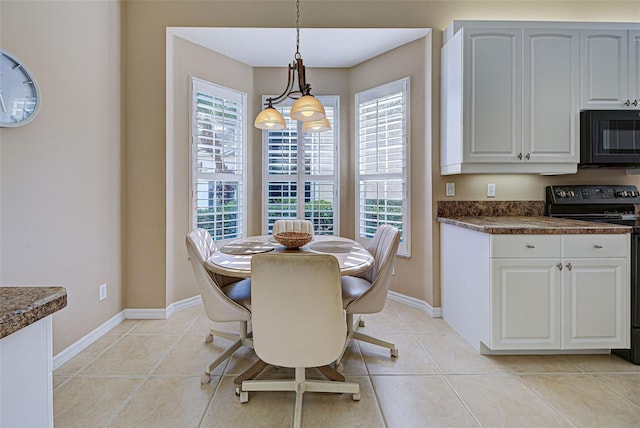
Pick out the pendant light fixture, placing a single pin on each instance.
(306, 109)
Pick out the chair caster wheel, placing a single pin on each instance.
(339, 368)
(360, 323)
(244, 396)
(356, 397)
(206, 378)
(209, 338)
(394, 352)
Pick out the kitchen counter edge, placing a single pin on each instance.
(539, 225)
(23, 306)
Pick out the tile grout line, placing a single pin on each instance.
(146, 377)
(615, 391)
(444, 378)
(373, 387)
(91, 361)
(464, 404)
(551, 406)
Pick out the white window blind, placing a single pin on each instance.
(301, 172)
(218, 159)
(382, 191)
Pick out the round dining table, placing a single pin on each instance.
(234, 257)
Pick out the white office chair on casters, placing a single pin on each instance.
(366, 293)
(293, 225)
(298, 322)
(225, 299)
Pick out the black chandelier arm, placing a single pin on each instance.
(302, 79)
(288, 90)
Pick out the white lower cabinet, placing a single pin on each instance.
(595, 299)
(544, 292)
(526, 301)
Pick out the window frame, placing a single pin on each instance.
(403, 85)
(200, 85)
(300, 177)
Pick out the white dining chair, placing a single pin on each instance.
(223, 302)
(366, 292)
(298, 322)
(293, 225)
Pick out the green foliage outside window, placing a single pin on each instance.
(221, 221)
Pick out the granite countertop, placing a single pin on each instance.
(531, 225)
(22, 306)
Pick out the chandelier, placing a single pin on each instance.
(306, 109)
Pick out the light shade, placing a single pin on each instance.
(321, 125)
(270, 119)
(307, 108)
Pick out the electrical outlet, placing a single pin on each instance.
(491, 190)
(451, 189)
(103, 292)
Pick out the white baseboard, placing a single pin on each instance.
(183, 304)
(74, 349)
(131, 314)
(415, 303)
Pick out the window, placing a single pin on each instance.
(382, 186)
(218, 133)
(300, 172)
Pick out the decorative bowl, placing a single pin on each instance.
(293, 239)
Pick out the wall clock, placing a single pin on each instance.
(19, 92)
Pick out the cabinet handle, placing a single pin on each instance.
(520, 156)
(634, 103)
(530, 246)
(597, 246)
(569, 266)
(528, 156)
(559, 265)
(627, 103)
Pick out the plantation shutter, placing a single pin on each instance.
(301, 179)
(382, 160)
(218, 177)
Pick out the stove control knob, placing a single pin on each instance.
(562, 193)
(621, 193)
(571, 193)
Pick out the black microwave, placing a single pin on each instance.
(609, 138)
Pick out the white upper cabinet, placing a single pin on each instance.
(510, 99)
(609, 69)
(492, 89)
(551, 94)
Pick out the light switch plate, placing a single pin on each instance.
(451, 189)
(491, 190)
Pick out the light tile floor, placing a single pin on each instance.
(147, 374)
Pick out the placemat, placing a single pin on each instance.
(246, 248)
(332, 246)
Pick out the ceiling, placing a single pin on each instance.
(319, 47)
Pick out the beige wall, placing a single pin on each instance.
(187, 59)
(60, 175)
(70, 157)
(412, 275)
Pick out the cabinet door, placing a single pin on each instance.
(634, 68)
(596, 313)
(525, 304)
(604, 69)
(551, 95)
(492, 118)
